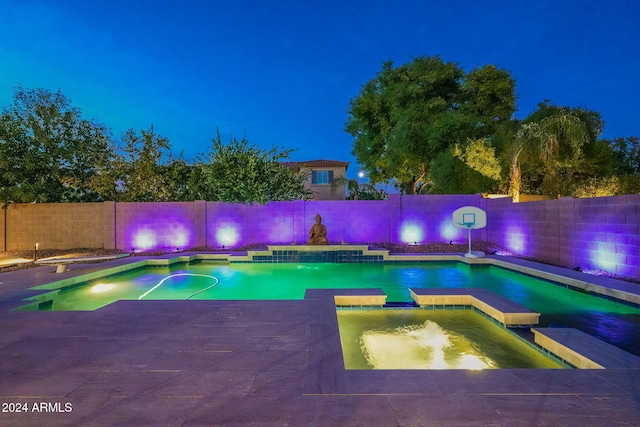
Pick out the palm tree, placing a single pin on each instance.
(543, 140)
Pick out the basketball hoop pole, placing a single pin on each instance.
(470, 217)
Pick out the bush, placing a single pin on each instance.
(598, 187)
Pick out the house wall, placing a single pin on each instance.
(323, 192)
(600, 233)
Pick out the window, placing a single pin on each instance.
(321, 177)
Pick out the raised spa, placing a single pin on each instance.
(433, 339)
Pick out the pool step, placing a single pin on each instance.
(506, 312)
(584, 351)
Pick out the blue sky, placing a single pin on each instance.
(282, 72)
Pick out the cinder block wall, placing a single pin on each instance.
(405, 219)
(601, 233)
(231, 225)
(55, 226)
(531, 229)
(142, 226)
(429, 218)
(607, 234)
(356, 221)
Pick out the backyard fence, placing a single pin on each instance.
(599, 233)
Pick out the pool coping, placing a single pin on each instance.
(62, 262)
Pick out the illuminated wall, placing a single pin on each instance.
(606, 234)
(600, 233)
(409, 219)
(167, 225)
(531, 229)
(233, 225)
(420, 219)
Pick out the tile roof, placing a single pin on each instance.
(315, 163)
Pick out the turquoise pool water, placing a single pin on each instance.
(609, 320)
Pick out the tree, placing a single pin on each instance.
(598, 187)
(626, 152)
(557, 140)
(181, 176)
(142, 170)
(48, 152)
(403, 118)
(466, 168)
(621, 157)
(358, 191)
(238, 172)
(577, 159)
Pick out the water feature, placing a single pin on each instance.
(433, 339)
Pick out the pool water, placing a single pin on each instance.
(611, 321)
(433, 339)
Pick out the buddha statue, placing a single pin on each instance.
(318, 233)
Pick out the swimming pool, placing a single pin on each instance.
(609, 320)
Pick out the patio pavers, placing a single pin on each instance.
(262, 363)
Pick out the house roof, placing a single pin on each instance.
(315, 163)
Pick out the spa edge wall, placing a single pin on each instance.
(600, 233)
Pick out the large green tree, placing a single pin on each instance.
(48, 151)
(406, 116)
(240, 172)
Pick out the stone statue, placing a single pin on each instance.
(318, 233)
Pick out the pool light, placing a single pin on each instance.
(101, 288)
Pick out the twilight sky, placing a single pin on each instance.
(282, 72)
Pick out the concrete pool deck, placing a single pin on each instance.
(275, 363)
